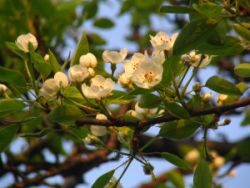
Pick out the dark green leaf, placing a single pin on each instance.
(104, 23)
(221, 85)
(175, 160)
(96, 39)
(242, 31)
(176, 178)
(68, 5)
(176, 110)
(13, 47)
(120, 97)
(149, 100)
(202, 176)
(10, 106)
(65, 113)
(103, 180)
(176, 9)
(13, 78)
(193, 35)
(7, 134)
(178, 129)
(81, 49)
(242, 70)
(54, 63)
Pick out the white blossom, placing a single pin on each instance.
(158, 56)
(99, 87)
(78, 73)
(99, 130)
(3, 88)
(61, 79)
(88, 60)
(50, 88)
(207, 97)
(161, 41)
(114, 57)
(46, 57)
(124, 79)
(193, 59)
(23, 41)
(147, 75)
(91, 72)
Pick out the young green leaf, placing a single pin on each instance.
(54, 63)
(81, 49)
(221, 85)
(7, 134)
(178, 129)
(193, 35)
(103, 180)
(104, 23)
(242, 70)
(65, 114)
(175, 160)
(13, 47)
(176, 110)
(149, 100)
(176, 178)
(10, 106)
(202, 176)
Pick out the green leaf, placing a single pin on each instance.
(178, 129)
(65, 114)
(221, 85)
(96, 39)
(175, 160)
(176, 9)
(242, 31)
(66, 6)
(149, 100)
(13, 78)
(176, 178)
(10, 106)
(54, 63)
(103, 180)
(202, 176)
(242, 70)
(176, 110)
(120, 97)
(13, 47)
(7, 134)
(81, 49)
(193, 35)
(104, 23)
(40, 65)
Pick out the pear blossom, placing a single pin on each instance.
(51, 86)
(78, 73)
(193, 59)
(221, 99)
(147, 75)
(114, 57)
(99, 87)
(161, 41)
(142, 113)
(218, 162)
(88, 60)
(99, 130)
(61, 79)
(158, 56)
(124, 79)
(46, 57)
(91, 72)
(23, 41)
(3, 88)
(207, 97)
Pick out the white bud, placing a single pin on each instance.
(221, 99)
(132, 113)
(218, 162)
(3, 88)
(46, 57)
(99, 130)
(232, 173)
(207, 97)
(91, 72)
(23, 41)
(124, 79)
(61, 79)
(193, 156)
(88, 60)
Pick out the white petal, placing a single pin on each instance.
(61, 79)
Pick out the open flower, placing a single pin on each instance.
(161, 41)
(124, 79)
(99, 130)
(23, 41)
(88, 60)
(158, 56)
(78, 73)
(51, 86)
(114, 57)
(99, 87)
(196, 60)
(147, 75)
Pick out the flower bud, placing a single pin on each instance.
(192, 157)
(227, 121)
(78, 73)
(148, 168)
(61, 79)
(231, 173)
(221, 99)
(91, 140)
(99, 130)
(46, 57)
(124, 80)
(218, 162)
(207, 97)
(23, 41)
(3, 88)
(88, 60)
(197, 87)
(91, 72)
